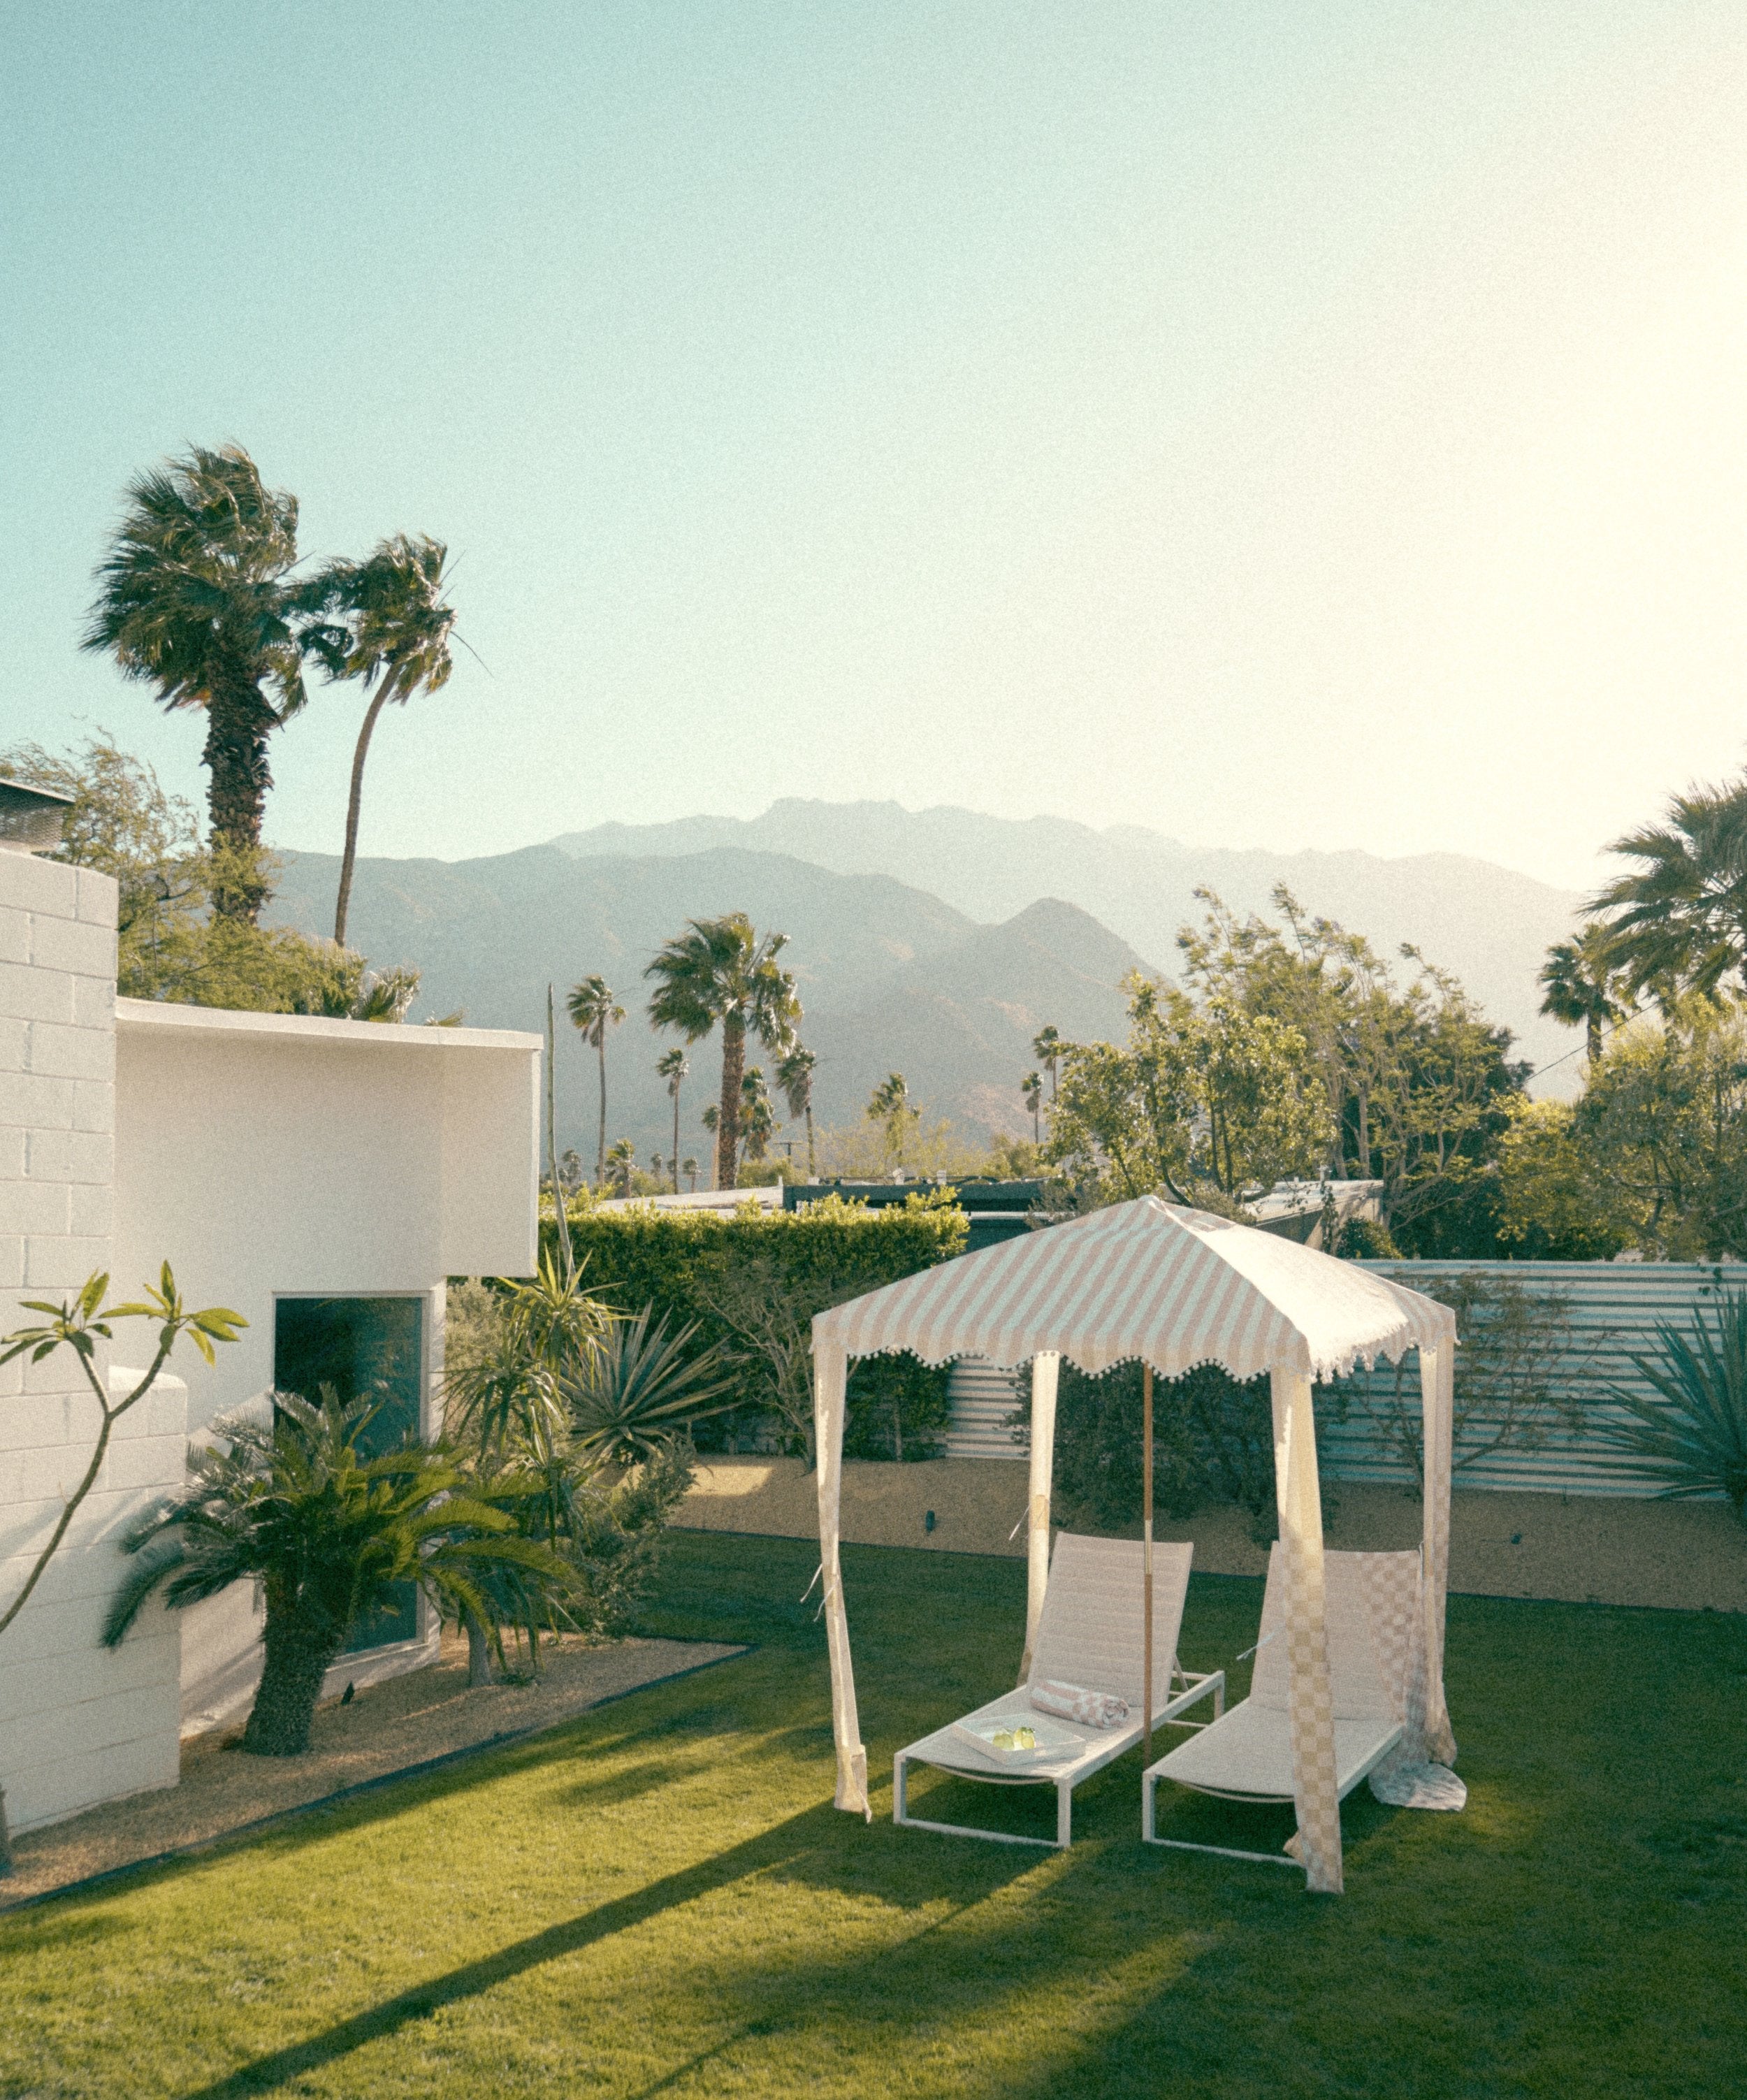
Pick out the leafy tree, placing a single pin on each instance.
(794, 1076)
(1208, 1104)
(384, 620)
(195, 598)
(890, 1106)
(673, 1066)
(1582, 982)
(1031, 1091)
(593, 1006)
(1680, 917)
(328, 1535)
(1555, 1205)
(720, 972)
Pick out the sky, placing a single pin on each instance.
(1281, 426)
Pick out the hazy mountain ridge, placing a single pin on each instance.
(1490, 926)
(892, 979)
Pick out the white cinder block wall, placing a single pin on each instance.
(78, 1724)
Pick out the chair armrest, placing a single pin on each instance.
(1210, 1685)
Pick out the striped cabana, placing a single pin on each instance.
(1171, 1288)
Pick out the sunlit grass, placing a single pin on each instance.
(658, 1898)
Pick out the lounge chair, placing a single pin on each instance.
(1246, 1753)
(1091, 1634)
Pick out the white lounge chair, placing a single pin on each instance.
(1246, 1754)
(1091, 1634)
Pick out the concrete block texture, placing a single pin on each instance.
(92, 1106)
(14, 1052)
(35, 1100)
(29, 884)
(69, 1053)
(52, 1264)
(98, 895)
(14, 934)
(67, 1155)
(35, 1207)
(33, 995)
(72, 945)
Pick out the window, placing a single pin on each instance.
(361, 1348)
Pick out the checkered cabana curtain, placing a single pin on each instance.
(1173, 1288)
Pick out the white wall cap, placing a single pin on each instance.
(138, 1015)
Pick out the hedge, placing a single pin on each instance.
(826, 1252)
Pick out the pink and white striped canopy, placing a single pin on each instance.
(1146, 1280)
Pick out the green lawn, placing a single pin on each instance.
(659, 1899)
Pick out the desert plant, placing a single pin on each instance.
(643, 1387)
(328, 1535)
(1692, 1437)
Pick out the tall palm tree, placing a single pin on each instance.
(794, 1076)
(1046, 1046)
(1582, 980)
(673, 1065)
(720, 971)
(1031, 1088)
(688, 1168)
(890, 1104)
(385, 620)
(194, 597)
(593, 1006)
(1682, 917)
(623, 1161)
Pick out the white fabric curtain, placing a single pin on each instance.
(1045, 1372)
(1310, 1698)
(830, 1370)
(1437, 1382)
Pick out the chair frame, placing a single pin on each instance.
(1097, 1754)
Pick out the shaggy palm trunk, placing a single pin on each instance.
(728, 1114)
(298, 1657)
(354, 802)
(239, 721)
(812, 1170)
(479, 1669)
(676, 1137)
(600, 1150)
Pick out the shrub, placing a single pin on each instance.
(1692, 1437)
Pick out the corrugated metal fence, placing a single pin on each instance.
(1611, 1310)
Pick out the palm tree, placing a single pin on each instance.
(794, 1076)
(328, 1535)
(672, 1066)
(890, 1104)
(193, 598)
(1031, 1088)
(1582, 980)
(1682, 918)
(591, 1007)
(688, 1168)
(386, 622)
(623, 1161)
(1046, 1046)
(719, 970)
(757, 1119)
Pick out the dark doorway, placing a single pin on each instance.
(362, 1348)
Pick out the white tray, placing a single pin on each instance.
(1052, 1739)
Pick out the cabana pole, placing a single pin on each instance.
(1146, 1554)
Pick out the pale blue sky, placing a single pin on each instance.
(1278, 423)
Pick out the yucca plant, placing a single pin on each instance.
(1692, 1438)
(642, 1387)
(328, 1533)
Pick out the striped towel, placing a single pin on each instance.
(1092, 1709)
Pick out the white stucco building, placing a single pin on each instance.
(321, 1177)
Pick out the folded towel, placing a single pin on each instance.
(1092, 1709)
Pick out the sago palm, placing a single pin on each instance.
(194, 598)
(593, 1006)
(794, 1076)
(329, 1535)
(719, 971)
(384, 620)
(1682, 917)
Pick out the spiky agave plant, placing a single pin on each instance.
(643, 1387)
(328, 1532)
(1692, 1437)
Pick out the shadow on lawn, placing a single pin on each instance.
(807, 1847)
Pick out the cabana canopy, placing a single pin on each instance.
(1172, 1288)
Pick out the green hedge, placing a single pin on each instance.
(826, 1252)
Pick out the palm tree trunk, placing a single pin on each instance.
(1595, 1038)
(728, 1114)
(479, 1652)
(298, 1659)
(676, 1137)
(600, 1149)
(384, 689)
(239, 721)
(812, 1170)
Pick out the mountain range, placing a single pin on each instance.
(933, 942)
